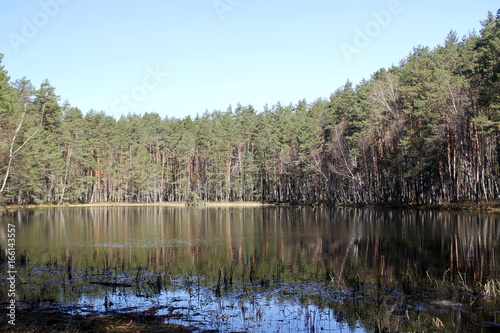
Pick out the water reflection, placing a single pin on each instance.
(294, 243)
(272, 268)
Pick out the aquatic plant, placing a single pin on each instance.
(156, 281)
(491, 288)
(3, 256)
(23, 258)
(419, 303)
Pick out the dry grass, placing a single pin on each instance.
(222, 204)
(36, 321)
(492, 288)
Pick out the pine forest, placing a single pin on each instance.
(425, 131)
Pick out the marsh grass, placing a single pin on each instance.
(418, 302)
(225, 278)
(491, 288)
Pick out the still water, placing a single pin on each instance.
(263, 269)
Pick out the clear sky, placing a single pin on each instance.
(179, 58)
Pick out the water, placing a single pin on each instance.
(262, 269)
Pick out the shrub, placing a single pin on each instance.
(194, 200)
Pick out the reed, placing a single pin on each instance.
(51, 262)
(188, 278)
(156, 282)
(23, 258)
(105, 261)
(138, 278)
(491, 288)
(280, 268)
(68, 267)
(416, 304)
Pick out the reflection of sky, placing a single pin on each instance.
(256, 312)
(295, 244)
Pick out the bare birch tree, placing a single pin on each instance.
(12, 152)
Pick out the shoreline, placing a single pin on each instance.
(492, 207)
(250, 204)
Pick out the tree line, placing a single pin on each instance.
(425, 131)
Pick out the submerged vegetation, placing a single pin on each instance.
(425, 131)
(149, 299)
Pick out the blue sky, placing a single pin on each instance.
(179, 58)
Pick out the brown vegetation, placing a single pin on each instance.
(53, 320)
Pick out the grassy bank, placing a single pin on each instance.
(493, 206)
(223, 204)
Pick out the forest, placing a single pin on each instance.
(425, 131)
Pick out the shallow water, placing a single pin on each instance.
(258, 269)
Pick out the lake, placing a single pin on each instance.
(263, 269)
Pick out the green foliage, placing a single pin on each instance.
(194, 200)
(425, 131)
(47, 107)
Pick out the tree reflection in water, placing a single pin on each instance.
(371, 265)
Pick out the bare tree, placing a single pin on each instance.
(385, 91)
(12, 152)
